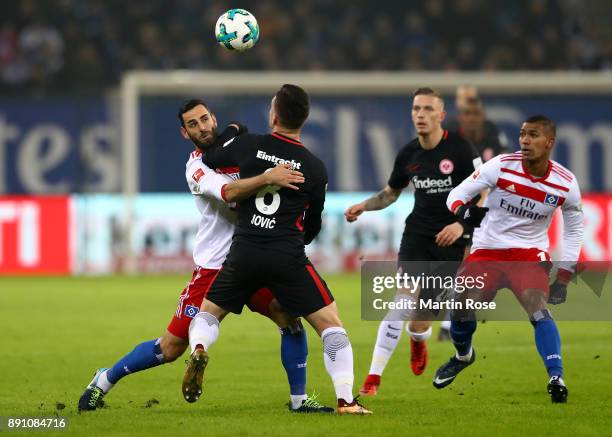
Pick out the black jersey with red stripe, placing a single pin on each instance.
(434, 173)
(285, 218)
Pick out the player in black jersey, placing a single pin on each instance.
(268, 246)
(199, 126)
(435, 162)
(472, 124)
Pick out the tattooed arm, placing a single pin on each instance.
(378, 201)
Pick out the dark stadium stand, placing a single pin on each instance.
(83, 46)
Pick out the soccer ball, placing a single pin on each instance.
(237, 29)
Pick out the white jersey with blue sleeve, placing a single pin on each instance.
(521, 206)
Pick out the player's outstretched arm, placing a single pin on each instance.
(379, 201)
(281, 175)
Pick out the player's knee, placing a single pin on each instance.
(325, 318)
(212, 308)
(418, 326)
(331, 319)
(533, 300)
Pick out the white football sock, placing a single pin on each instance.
(338, 358)
(445, 324)
(419, 336)
(103, 383)
(388, 336)
(296, 401)
(204, 330)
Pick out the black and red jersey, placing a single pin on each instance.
(285, 218)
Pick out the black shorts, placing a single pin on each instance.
(416, 247)
(420, 255)
(292, 279)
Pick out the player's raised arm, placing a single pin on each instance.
(232, 130)
(229, 153)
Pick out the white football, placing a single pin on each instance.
(237, 29)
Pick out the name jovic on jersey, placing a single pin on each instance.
(281, 216)
(434, 173)
(521, 206)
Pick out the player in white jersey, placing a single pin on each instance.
(510, 248)
(214, 192)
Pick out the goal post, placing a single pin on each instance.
(137, 84)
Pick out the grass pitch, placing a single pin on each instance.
(57, 331)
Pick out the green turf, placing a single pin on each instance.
(56, 331)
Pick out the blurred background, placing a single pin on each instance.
(63, 169)
(76, 47)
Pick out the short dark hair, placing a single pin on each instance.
(426, 91)
(546, 123)
(473, 101)
(188, 105)
(470, 103)
(292, 106)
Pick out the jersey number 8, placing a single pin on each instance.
(260, 202)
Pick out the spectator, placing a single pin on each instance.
(472, 124)
(39, 55)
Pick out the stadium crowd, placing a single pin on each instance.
(83, 46)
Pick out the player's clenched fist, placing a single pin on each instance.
(354, 211)
(283, 176)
